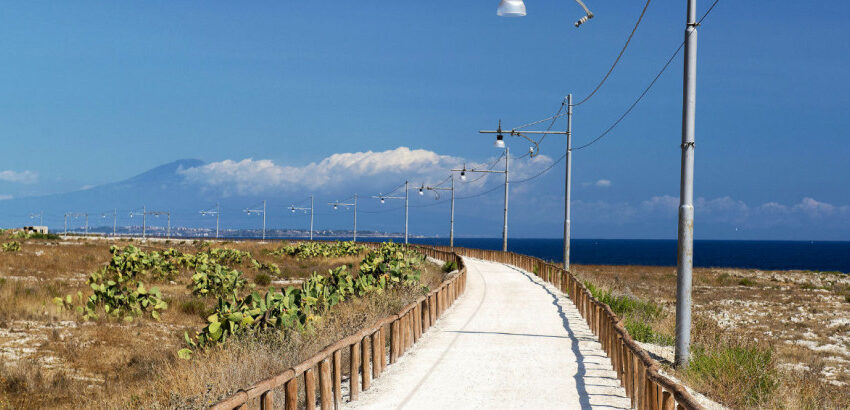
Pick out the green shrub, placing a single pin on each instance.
(642, 332)
(193, 307)
(306, 250)
(449, 266)
(262, 279)
(13, 246)
(747, 372)
(746, 282)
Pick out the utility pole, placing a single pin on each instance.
(568, 182)
(382, 198)
(217, 213)
(76, 215)
(406, 192)
(66, 224)
(507, 155)
(40, 216)
(144, 221)
(685, 257)
(258, 211)
(114, 222)
(311, 217)
(167, 213)
(505, 227)
(294, 208)
(452, 213)
(354, 204)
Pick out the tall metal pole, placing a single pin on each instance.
(452, 216)
(405, 211)
(66, 224)
(355, 217)
(505, 227)
(217, 214)
(568, 181)
(87, 224)
(114, 222)
(311, 217)
(169, 225)
(144, 221)
(685, 257)
(264, 219)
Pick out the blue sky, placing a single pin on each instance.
(97, 92)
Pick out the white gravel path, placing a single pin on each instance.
(510, 341)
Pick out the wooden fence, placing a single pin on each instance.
(637, 371)
(364, 353)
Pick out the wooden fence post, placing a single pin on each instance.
(376, 356)
(267, 400)
(310, 388)
(337, 378)
(354, 383)
(326, 395)
(366, 365)
(291, 394)
(394, 342)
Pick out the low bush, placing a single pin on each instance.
(13, 246)
(744, 373)
(262, 279)
(449, 266)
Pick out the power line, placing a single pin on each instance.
(646, 90)
(617, 60)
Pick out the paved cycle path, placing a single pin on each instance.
(511, 341)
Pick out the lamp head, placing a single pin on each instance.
(421, 190)
(511, 8)
(500, 141)
(382, 200)
(463, 175)
(334, 206)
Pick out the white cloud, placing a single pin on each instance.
(22, 177)
(603, 183)
(4, 197)
(339, 171)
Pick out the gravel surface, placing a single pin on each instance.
(510, 341)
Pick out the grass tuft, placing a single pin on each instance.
(262, 279)
(745, 373)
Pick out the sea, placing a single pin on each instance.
(830, 256)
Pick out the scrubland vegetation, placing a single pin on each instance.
(124, 323)
(759, 339)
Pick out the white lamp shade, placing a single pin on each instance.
(511, 8)
(499, 143)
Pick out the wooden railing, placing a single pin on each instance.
(364, 353)
(637, 371)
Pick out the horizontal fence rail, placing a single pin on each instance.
(362, 356)
(638, 373)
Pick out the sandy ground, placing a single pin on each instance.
(510, 341)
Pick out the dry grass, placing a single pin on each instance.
(50, 358)
(776, 339)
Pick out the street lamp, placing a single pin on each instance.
(685, 251)
(259, 211)
(511, 8)
(293, 208)
(463, 178)
(217, 213)
(452, 213)
(354, 204)
(405, 198)
(516, 8)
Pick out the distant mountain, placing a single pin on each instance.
(160, 188)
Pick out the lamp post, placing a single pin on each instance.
(293, 208)
(217, 213)
(158, 213)
(40, 216)
(114, 220)
(500, 142)
(76, 215)
(260, 211)
(144, 214)
(452, 212)
(507, 156)
(684, 256)
(354, 204)
(406, 202)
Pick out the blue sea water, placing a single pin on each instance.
(778, 255)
